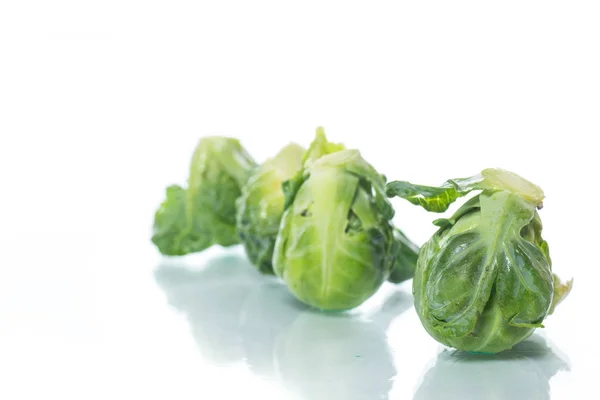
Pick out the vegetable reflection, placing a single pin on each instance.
(237, 315)
(334, 357)
(211, 299)
(523, 372)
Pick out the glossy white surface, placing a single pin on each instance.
(102, 103)
(211, 327)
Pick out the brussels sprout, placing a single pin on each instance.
(193, 219)
(484, 280)
(336, 243)
(260, 207)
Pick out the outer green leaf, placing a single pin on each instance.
(431, 198)
(439, 198)
(458, 290)
(192, 219)
(524, 276)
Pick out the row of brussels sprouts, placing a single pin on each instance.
(321, 220)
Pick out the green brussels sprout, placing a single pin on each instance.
(260, 207)
(336, 243)
(484, 280)
(193, 219)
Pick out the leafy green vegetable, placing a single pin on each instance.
(260, 207)
(336, 244)
(193, 219)
(484, 280)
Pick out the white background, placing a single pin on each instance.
(102, 103)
